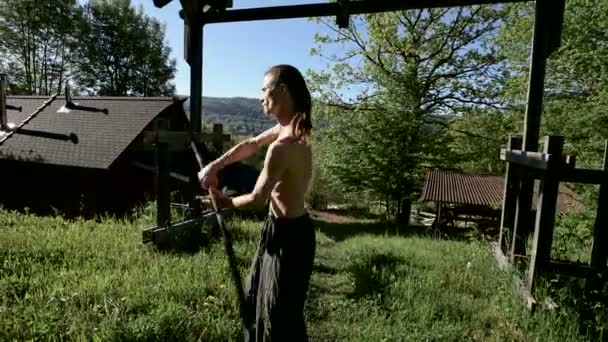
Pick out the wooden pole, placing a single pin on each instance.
(509, 200)
(193, 54)
(438, 218)
(218, 138)
(545, 210)
(534, 108)
(599, 248)
(163, 200)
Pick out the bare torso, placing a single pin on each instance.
(287, 197)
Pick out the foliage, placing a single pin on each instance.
(574, 236)
(577, 75)
(122, 52)
(478, 137)
(104, 47)
(396, 80)
(37, 42)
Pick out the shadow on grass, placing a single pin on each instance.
(591, 306)
(315, 308)
(342, 231)
(323, 268)
(373, 275)
(354, 212)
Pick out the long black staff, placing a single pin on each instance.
(236, 277)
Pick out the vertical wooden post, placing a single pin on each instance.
(545, 210)
(509, 199)
(599, 248)
(163, 200)
(218, 138)
(438, 218)
(193, 54)
(523, 211)
(534, 108)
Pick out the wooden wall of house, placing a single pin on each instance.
(50, 190)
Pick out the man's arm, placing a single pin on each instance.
(247, 148)
(274, 166)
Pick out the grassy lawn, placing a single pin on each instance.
(85, 280)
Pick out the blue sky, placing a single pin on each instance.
(235, 55)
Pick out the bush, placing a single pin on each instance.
(573, 236)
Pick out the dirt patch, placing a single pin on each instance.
(333, 217)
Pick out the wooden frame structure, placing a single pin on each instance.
(551, 168)
(546, 39)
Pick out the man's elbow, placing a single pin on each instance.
(258, 200)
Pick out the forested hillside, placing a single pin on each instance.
(239, 115)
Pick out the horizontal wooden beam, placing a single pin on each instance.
(150, 168)
(163, 235)
(536, 160)
(585, 176)
(336, 9)
(577, 269)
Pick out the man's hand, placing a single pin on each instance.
(220, 200)
(208, 176)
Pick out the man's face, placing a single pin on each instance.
(269, 96)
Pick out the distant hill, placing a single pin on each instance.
(239, 115)
(244, 116)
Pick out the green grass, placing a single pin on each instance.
(86, 280)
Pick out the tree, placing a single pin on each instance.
(122, 52)
(396, 80)
(576, 95)
(36, 42)
(479, 135)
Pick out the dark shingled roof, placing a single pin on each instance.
(77, 137)
(483, 190)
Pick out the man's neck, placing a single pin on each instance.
(287, 123)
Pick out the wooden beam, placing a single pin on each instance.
(164, 236)
(585, 176)
(163, 200)
(509, 201)
(534, 108)
(536, 77)
(599, 251)
(523, 211)
(545, 213)
(334, 9)
(577, 269)
(505, 265)
(173, 175)
(536, 160)
(218, 137)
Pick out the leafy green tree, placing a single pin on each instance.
(479, 135)
(396, 79)
(122, 52)
(36, 43)
(576, 95)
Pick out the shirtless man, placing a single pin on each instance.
(278, 283)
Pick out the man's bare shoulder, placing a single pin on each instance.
(288, 143)
(288, 151)
(267, 137)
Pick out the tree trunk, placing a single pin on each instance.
(405, 208)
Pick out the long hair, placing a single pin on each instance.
(296, 85)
